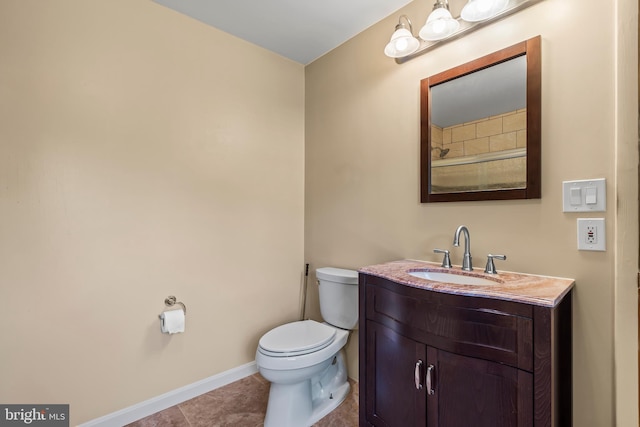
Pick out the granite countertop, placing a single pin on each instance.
(519, 287)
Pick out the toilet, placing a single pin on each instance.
(305, 361)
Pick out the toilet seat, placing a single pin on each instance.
(296, 339)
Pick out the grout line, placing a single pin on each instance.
(184, 415)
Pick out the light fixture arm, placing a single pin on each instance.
(441, 4)
(401, 25)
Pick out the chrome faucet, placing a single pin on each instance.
(466, 260)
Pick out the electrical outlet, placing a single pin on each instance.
(591, 234)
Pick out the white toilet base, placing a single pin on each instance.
(329, 404)
(304, 403)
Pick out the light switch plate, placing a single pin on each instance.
(591, 234)
(588, 195)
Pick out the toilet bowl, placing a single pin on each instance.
(305, 361)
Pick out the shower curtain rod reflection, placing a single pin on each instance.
(480, 158)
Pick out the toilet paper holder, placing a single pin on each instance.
(170, 301)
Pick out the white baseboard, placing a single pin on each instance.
(172, 398)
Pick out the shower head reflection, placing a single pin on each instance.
(443, 152)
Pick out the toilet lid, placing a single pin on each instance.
(297, 338)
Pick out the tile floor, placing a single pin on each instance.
(241, 404)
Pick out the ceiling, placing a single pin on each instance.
(300, 30)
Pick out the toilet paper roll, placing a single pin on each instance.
(172, 322)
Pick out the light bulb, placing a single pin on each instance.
(484, 5)
(479, 10)
(401, 44)
(438, 26)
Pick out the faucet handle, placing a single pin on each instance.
(491, 268)
(446, 262)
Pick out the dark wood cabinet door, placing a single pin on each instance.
(478, 393)
(394, 396)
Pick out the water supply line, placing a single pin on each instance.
(304, 291)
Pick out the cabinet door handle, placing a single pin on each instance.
(417, 374)
(430, 389)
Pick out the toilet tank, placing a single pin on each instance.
(338, 289)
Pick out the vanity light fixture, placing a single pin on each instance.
(442, 27)
(440, 24)
(402, 42)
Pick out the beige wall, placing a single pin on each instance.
(362, 169)
(626, 209)
(142, 154)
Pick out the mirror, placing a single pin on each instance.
(480, 128)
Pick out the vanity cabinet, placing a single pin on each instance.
(435, 359)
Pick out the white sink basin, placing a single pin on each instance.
(459, 279)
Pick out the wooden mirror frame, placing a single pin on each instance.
(530, 48)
